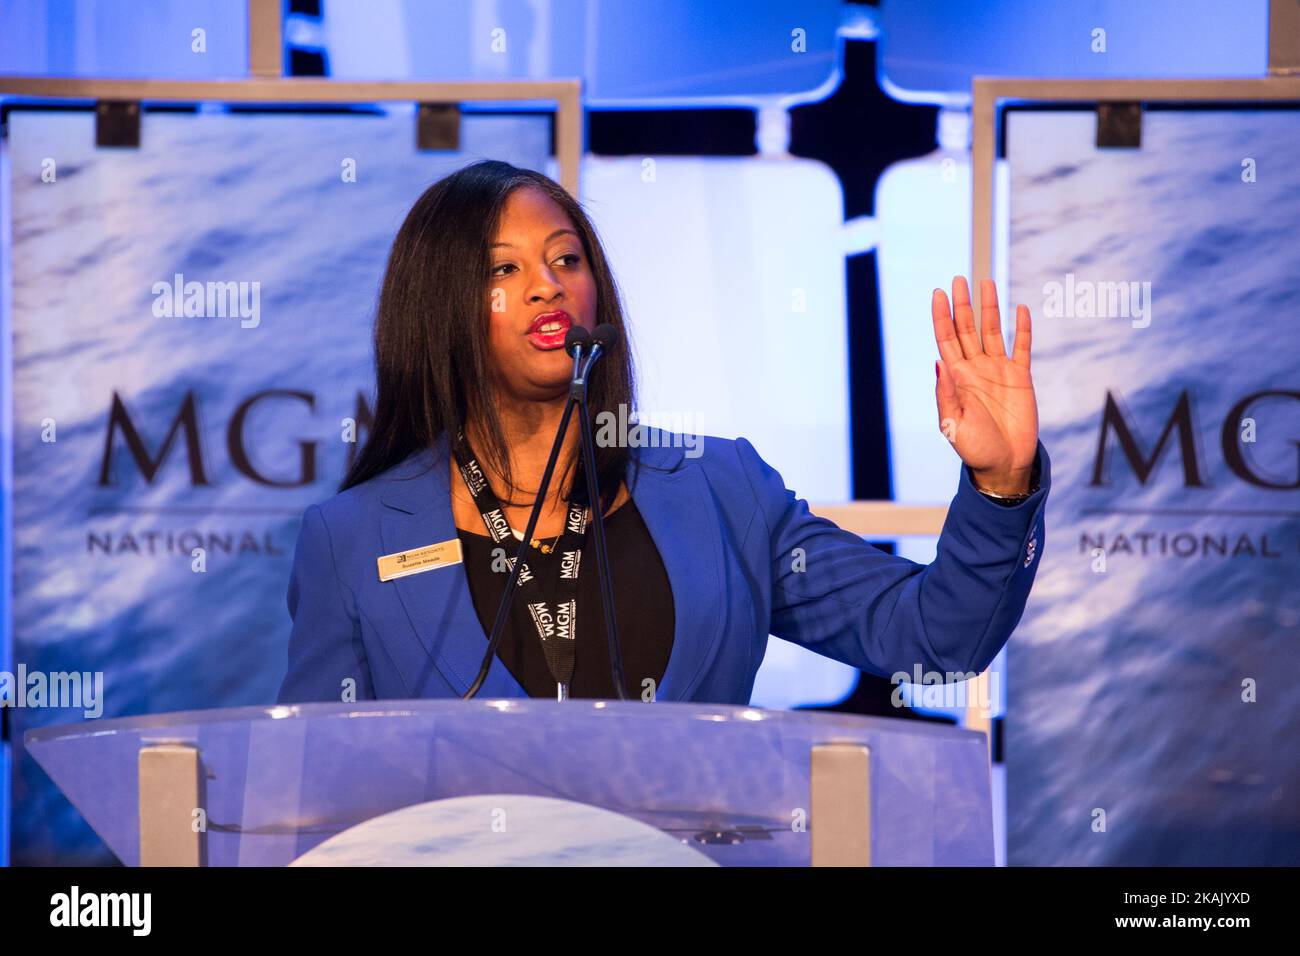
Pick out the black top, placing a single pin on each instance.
(643, 600)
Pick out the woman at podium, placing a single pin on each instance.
(398, 579)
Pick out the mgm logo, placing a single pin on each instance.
(1180, 424)
(185, 427)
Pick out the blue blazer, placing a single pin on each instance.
(744, 558)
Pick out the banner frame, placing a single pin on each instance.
(565, 93)
(990, 94)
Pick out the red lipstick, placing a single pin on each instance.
(547, 331)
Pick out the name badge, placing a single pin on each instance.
(402, 563)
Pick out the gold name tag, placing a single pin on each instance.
(431, 556)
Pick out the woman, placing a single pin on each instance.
(708, 554)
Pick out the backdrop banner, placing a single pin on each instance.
(191, 369)
(1153, 707)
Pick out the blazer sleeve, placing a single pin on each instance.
(325, 646)
(842, 597)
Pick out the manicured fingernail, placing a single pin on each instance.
(936, 371)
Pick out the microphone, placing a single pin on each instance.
(575, 340)
(604, 337)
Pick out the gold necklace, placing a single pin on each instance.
(546, 548)
(537, 543)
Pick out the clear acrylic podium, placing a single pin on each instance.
(260, 786)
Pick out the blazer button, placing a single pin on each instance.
(1031, 550)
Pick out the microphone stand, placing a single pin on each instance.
(602, 553)
(577, 399)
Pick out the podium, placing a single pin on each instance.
(261, 786)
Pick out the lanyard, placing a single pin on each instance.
(556, 626)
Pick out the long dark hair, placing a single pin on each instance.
(431, 335)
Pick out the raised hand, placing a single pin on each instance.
(987, 408)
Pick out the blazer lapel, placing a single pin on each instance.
(677, 508)
(438, 602)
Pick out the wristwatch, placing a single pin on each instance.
(1010, 501)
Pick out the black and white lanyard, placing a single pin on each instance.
(555, 624)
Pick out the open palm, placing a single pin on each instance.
(987, 408)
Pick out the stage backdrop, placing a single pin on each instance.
(143, 431)
(1153, 708)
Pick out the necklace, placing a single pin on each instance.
(538, 543)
